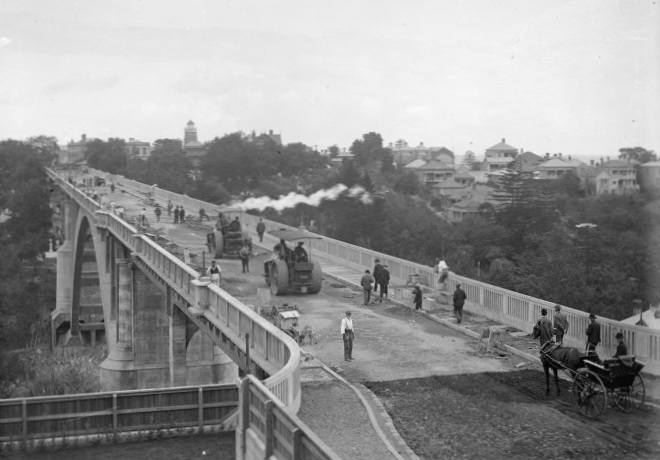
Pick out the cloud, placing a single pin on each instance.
(82, 83)
(4, 41)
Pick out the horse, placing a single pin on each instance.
(557, 357)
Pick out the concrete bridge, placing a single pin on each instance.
(167, 326)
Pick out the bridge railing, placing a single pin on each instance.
(267, 430)
(25, 420)
(509, 307)
(270, 348)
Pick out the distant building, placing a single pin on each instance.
(138, 149)
(498, 157)
(616, 176)
(555, 168)
(650, 318)
(403, 154)
(431, 173)
(74, 152)
(265, 138)
(193, 149)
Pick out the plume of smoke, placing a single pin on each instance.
(293, 199)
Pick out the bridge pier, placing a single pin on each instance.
(157, 345)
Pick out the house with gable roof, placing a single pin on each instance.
(498, 156)
(616, 176)
(403, 153)
(431, 173)
(555, 168)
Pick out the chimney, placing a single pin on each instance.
(503, 141)
(270, 132)
(84, 137)
(608, 158)
(554, 155)
(254, 134)
(559, 154)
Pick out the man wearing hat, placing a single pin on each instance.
(459, 301)
(543, 330)
(378, 267)
(621, 348)
(593, 335)
(348, 336)
(561, 324)
(300, 253)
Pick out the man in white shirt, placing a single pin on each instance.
(348, 336)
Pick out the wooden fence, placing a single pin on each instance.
(55, 417)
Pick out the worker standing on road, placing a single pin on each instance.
(377, 268)
(561, 324)
(244, 254)
(459, 302)
(176, 214)
(169, 208)
(593, 335)
(215, 272)
(143, 217)
(417, 293)
(367, 282)
(182, 215)
(383, 281)
(158, 212)
(261, 229)
(348, 334)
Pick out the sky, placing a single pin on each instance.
(580, 77)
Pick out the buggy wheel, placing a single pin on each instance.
(279, 277)
(630, 398)
(589, 393)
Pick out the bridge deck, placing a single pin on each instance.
(391, 342)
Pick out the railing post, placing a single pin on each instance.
(296, 442)
(114, 412)
(200, 409)
(269, 429)
(24, 419)
(247, 354)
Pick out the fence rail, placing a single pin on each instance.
(29, 419)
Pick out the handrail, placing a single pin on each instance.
(270, 348)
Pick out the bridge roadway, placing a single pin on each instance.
(395, 343)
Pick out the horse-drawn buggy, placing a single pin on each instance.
(595, 381)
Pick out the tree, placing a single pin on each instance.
(369, 152)
(638, 154)
(168, 169)
(407, 183)
(334, 151)
(46, 148)
(238, 164)
(107, 156)
(469, 159)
